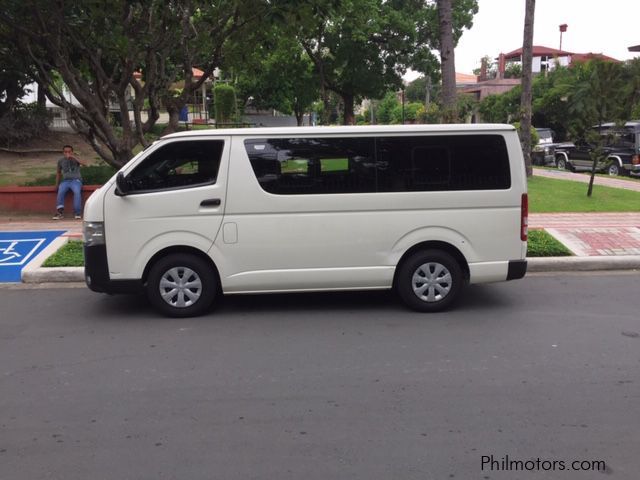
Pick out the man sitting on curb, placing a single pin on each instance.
(68, 178)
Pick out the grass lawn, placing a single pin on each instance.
(542, 244)
(548, 195)
(70, 255)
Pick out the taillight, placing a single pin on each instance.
(635, 159)
(524, 217)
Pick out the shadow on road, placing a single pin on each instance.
(475, 298)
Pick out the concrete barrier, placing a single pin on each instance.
(37, 199)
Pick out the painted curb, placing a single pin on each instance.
(35, 273)
(583, 264)
(38, 274)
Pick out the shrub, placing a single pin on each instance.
(225, 102)
(91, 175)
(22, 124)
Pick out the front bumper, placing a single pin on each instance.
(96, 273)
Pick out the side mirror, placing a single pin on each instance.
(122, 185)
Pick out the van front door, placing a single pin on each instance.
(173, 197)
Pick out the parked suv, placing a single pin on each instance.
(621, 146)
(544, 152)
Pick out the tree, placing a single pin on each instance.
(525, 104)
(447, 58)
(360, 48)
(123, 57)
(276, 73)
(595, 101)
(225, 102)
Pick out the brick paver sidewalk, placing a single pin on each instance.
(591, 234)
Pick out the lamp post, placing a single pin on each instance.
(563, 28)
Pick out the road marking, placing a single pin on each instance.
(17, 249)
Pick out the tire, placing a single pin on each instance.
(614, 169)
(561, 163)
(181, 285)
(429, 280)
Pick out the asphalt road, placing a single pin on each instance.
(327, 386)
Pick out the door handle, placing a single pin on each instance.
(210, 202)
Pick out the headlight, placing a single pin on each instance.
(93, 233)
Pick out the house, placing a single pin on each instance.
(546, 59)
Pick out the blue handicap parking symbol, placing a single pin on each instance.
(17, 249)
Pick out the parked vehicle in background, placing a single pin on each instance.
(423, 209)
(544, 152)
(621, 147)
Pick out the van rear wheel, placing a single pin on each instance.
(181, 285)
(429, 280)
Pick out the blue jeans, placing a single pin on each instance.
(76, 187)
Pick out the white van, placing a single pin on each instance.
(423, 209)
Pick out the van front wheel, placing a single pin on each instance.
(429, 280)
(181, 285)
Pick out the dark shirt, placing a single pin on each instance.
(70, 169)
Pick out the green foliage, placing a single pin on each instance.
(275, 74)
(411, 111)
(225, 102)
(595, 97)
(69, 255)
(501, 108)
(513, 70)
(542, 244)
(535, 138)
(568, 100)
(360, 48)
(23, 123)
(429, 115)
(416, 91)
(91, 175)
(466, 105)
(388, 107)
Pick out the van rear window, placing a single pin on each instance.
(298, 166)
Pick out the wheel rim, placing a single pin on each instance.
(561, 164)
(180, 287)
(613, 170)
(431, 282)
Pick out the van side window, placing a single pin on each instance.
(440, 163)
(299, 166)
(178, 165)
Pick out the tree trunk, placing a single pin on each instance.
(41, 99)
(174, 120)
(447, 58)
(349, 117)
(299, 115)
(525, 100)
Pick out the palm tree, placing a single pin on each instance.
(525, 99)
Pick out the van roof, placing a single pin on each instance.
(364, 129)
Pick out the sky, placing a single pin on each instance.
(598, 26)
